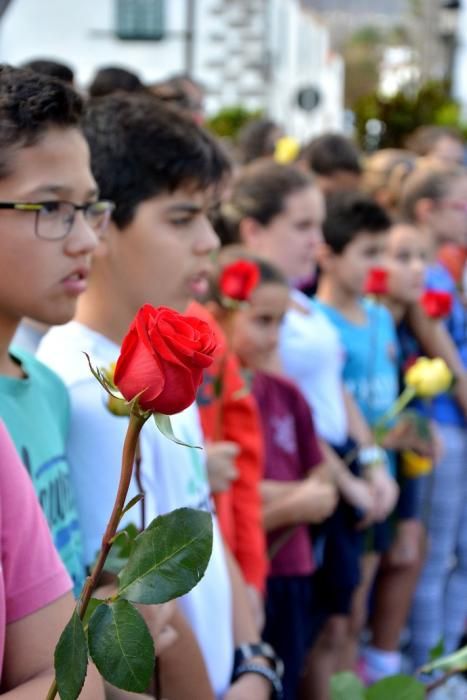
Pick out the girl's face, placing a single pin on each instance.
(449, 215)
(407, 255)
(256, 328)
(292, 238)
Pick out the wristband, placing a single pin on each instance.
(371, 455)
(245, 652)
(264, 671)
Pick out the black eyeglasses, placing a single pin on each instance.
(54, 220)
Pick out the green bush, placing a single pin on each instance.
(229, 120)
(401, 114)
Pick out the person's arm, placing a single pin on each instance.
(353, 489)
(307, 501)
(250, 685)
(436, 342)
(29, 647)
(359, 429)
(182, 667)
(384, 488)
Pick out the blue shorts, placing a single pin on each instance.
(342, 544)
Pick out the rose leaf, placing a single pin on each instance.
(401, 687)
(346, 686)
(121, 646)
(71, 659)
(169, 558)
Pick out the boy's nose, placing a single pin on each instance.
(207, 240)
(82, 238)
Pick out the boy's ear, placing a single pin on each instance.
(250, 230)
(422, 209)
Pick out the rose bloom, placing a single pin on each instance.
(162, 359)
(238, 280)
(429, 377)
(436, 304)
(377, 282)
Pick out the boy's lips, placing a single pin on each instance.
(199, 284)
(76, 282)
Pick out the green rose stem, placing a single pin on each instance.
(404, 399)
(128, 458)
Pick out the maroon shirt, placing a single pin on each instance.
(291, 451)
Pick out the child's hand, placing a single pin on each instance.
(360, 494)
(406, 436)
(385, 491)
(220, 463)
(317, 500)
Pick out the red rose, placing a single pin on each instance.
(162, 358)
(436, 304)
(238, 280)
(377, 281)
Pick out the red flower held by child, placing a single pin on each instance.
(238, 280)
(436, 304)
(377, 282)
(162, 359)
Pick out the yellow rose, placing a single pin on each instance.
(286, 150)
(429, 377)
(414, 465)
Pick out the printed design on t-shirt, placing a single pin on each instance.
(283, 433)
(52, 485)
(197, 484)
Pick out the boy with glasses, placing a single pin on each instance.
(50, 221)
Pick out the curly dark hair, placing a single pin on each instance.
(31, 103)
(54, 69)
(349, 214)
(141, 147)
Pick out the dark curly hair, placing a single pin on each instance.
(31, 103)
(349, 214)
(141, 147)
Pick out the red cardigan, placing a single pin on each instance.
(229, 412)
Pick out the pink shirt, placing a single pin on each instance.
(31, 572)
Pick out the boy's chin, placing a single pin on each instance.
(56, 317)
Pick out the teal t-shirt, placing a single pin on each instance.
(35, 411)
(371, 358)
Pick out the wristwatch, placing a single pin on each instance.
(371, 455)
(244, 662)
(268, 673)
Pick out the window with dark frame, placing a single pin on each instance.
(139, 19)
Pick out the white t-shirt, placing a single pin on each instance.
(312, 355)
(173, 476)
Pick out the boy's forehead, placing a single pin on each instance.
(57, 164)
(185, 199)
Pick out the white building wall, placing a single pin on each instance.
(459, 82)
(80, 33)
(301, 57)
(257, 53)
